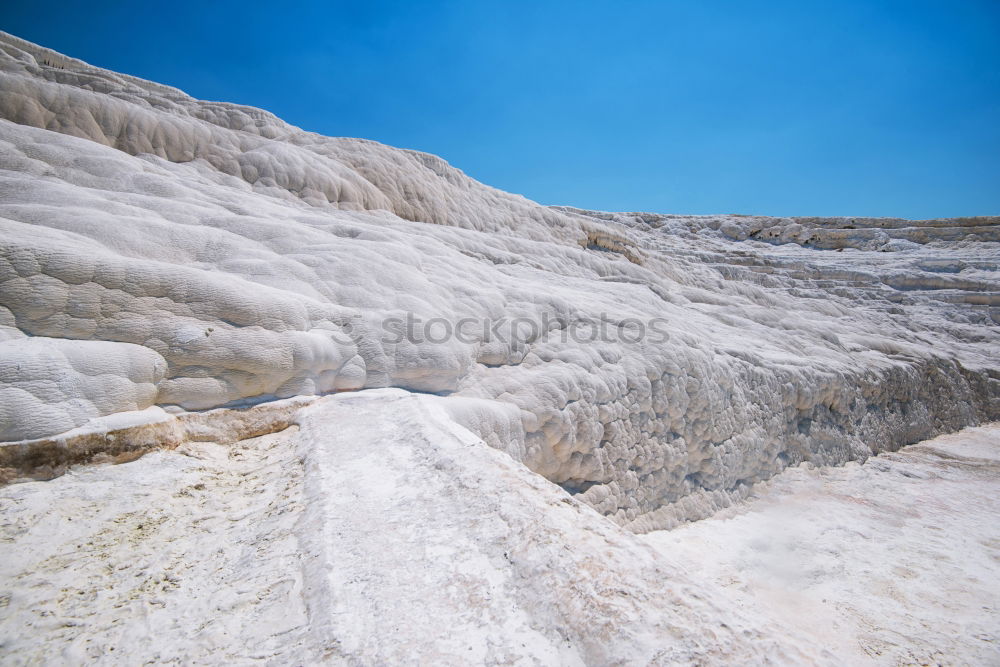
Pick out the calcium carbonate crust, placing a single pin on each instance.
(157, 250)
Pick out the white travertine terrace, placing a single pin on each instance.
(159, 250)
(204, 280)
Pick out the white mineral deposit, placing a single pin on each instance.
(271, 397)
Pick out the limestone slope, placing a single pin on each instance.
(377, 532)
(157, 250)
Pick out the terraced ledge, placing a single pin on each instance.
(126, 436)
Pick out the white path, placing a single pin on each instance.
(893, 562)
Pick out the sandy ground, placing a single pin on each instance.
(894, 562)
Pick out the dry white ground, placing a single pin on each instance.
(893, 562)
(379, 531)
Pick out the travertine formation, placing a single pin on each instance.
(893, 562)
(378, 532)
(352, 360)
(163, 251)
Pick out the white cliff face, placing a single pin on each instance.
(157, 250)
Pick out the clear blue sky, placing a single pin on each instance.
(845, 107)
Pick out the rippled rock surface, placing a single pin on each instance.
(161, 255)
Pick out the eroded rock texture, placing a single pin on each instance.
(163, 251)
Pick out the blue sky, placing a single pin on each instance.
(877, 107)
